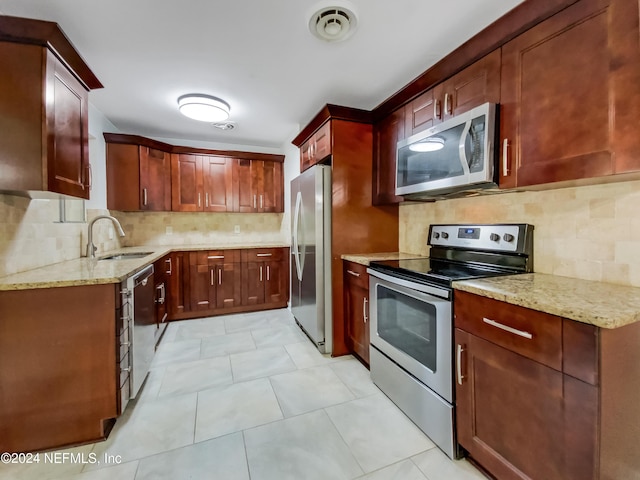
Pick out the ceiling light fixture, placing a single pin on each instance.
(432, 144)
(204, 108)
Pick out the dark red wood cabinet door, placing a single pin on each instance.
(423, 112)
(179, 284)
(155, 180)
(272, 195)
(521, 419)
(253, 274)
(387, 133)
(186, 183)
(202, 287)
(556, 98)
(228, 285)
(245, 180)
(218, 184)
(67, 132)
(276, 284)
(356, 328)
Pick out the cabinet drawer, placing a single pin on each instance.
(214, 257)
(532, 334)
(263, 254)
(356, 274)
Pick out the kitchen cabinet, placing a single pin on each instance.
(201, 183)
(569, 95)
(138, 177)
(316, 148)
(387, 133)
(356, 304)
(258, 186)
(265, 277)
(44, 111)
(539, 396)
(214, 280)
(178, 302)
(58, 360)
(162, 271)
(477, 84)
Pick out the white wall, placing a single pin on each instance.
(98, 124)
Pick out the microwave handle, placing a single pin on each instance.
(461, 148)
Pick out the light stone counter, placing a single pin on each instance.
(602, 304)
(367, 258)
(83, 271)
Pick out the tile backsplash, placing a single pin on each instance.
(588, 232)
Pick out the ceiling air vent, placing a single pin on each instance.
(333, 24)
(224, 125)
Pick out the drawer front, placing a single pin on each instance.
(356, 274)
(264, 254)
(532, 334)
(219, 257)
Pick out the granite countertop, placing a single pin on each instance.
(601, 304)
(367, 258)
(83, 271)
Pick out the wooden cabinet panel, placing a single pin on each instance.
(218, 184)
(276, 289)
(186, 183)
(265, 277)
(316, 148)
(356, 304)
(258, 186)
(422, 113)
(253, 283)
(387, 133)
(155, 180)
(179, 303)
(561, 84)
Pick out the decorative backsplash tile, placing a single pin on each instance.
(588, 232)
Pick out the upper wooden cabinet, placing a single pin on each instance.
(386, 135)
(138, 177)
(570, 96)
(477, 84)
(201, 183)
(43, 111)
(316, 148)
(258, 186)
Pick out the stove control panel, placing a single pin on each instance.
(514, 238)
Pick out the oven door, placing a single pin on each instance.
(411, 324)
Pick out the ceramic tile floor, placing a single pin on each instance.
(248, 397)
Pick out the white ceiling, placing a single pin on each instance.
(257, 55)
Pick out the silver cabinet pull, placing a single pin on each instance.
(261, 202)
(268, 273)
(448, 105)
(206, 199)
(215, 257)
(199, 199)
(505, 157)
(125, 344)
(128, 369)
(364, 309)
(436, 109)
(220, 276)
(351, 272)
(254, 202)
(459, 364)
(260, 272)
(263, 254)
(168, 260)
(145, 198)
(211, 276)
(507, 328)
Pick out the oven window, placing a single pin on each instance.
(408, 324)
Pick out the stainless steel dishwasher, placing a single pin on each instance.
(144, 326)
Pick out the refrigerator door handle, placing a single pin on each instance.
(296, 227)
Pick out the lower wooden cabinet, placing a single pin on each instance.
(547, 398)
(356, 304)
(215, 282)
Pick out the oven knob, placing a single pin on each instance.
(494, 237)
(445, 235)
(436, 235)
(507, 237)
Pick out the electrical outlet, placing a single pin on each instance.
(169, 230)
(236, 229)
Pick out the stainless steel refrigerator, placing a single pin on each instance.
(311, 254)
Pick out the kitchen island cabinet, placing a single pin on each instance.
(544, 397)
(58, 377)
(44, 86)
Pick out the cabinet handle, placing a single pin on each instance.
(199, 199)
(90, 176)
(436, 109)
(254, 202)
(448, 105)
(459, 364)
(168, 260)
(505, 157)
(351, 272)
(211, 271)
(160, 299)
(220, 276)
(268, 273)
(206, 199)
(128, 369)
(263, 254)
(125, 344)
(506, 328)
(364, 309)
(260, 272)
(144, 197)
(215, 257)
(261, 202)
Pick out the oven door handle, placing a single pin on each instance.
(439, 292)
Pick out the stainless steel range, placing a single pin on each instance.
(412, 319)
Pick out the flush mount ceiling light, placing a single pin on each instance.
(333, 24)
(204, 108)
(431, 144)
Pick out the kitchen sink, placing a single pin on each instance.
(126, 256)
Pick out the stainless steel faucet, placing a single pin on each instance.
(91, 248)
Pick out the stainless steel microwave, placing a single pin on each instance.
(454, 156)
